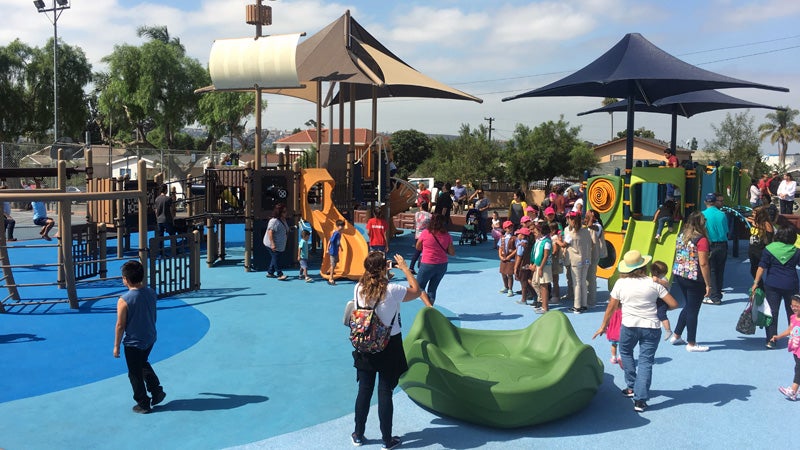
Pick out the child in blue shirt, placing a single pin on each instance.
(302, 256)
(334, 245)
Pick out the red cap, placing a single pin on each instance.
(508, 223)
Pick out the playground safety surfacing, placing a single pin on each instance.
(259, 363)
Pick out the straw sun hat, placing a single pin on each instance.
(633, 260)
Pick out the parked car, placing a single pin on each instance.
(74, 189)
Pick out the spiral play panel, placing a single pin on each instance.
(602, 195)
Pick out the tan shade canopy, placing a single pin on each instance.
(242, 64)
(345, 52)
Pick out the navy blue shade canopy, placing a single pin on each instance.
(685, 105)
(635, 69)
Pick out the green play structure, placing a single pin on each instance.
(500, 378)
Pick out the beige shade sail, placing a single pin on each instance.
(242, 64)
(345, 52)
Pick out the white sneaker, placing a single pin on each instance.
(668, 335)
(676, 340)
(503, 291)
(696, 348)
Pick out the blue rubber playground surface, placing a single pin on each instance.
(251, 362)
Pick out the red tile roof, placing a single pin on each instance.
(363, 137)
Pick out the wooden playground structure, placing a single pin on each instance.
(81, 249)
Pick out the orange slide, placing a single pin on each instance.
(354, 247)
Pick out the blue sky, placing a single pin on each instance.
(489, 49)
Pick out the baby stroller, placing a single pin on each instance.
(469, 234)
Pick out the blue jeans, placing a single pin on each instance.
(366, 385)
(429, 277)
(662, 221)
(693, 292)
(638, 378)
(274, 268)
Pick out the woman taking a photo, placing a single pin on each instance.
(778, 271)
(374, 291)
(693, 275)
(436, 244)
(636, 293)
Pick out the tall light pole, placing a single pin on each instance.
(58, 7)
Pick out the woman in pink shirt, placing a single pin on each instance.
(435, 244)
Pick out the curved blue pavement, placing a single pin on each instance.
(271, 368)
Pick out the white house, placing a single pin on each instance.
(128, 166)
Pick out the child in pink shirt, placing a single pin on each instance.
(793, 333)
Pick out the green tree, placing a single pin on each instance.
(26, 89)
(736, 140)
(781, 128)
(551, 149)
(641, 132)
(409, 149)
(153, 84)
(223, 114)
(74, 75)
(470, 156)
(13, 66)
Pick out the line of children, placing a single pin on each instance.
(541, 266)
(521, 268)
(507, 253)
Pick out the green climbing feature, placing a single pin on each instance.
(502, 378)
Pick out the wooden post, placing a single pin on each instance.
(61, 182)
(120, 219)
(195, 262)
(248, 217)
(102, 250)
(257, 153)
(8, 274)
(142, 170)
(65, 239)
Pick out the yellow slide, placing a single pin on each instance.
(640, 236)
(354, 247)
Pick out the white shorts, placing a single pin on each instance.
(547, 275)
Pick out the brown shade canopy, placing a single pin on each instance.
(345, 52)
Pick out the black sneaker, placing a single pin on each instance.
(627, 392)
(356, 439)
(138, 409)
(271, 275)
(576, 310)
(394, 443)
(158, 397)
(639, 405)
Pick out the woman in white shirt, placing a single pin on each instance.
(755, 194)
(636, 293)
(786, 192)
(374, 291)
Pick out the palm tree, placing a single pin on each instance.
(608, 101)
(781, 129)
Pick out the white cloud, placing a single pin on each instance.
(442, 26)
(545, 21)
(760, 11)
